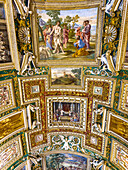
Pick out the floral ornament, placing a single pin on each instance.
(110, 33)
(24, 35)
(99, 72)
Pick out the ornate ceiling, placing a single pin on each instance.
(63, 84)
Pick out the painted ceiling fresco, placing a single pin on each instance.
(64, 85)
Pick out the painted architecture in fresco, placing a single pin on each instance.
(63, 85)
(67, 34)
(66, 111)
(66, 76)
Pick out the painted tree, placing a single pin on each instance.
(77, 73)
(39, 27)
(68, 20)
(49, 22)
(54, 14)
(75, 19)
(53, 161)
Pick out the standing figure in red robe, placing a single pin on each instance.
(65, 36)
(86, 33)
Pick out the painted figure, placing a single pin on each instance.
(45, 34)
(49, 37)
(65, 36)
(57, 37)
(79, 43)
(86, 33)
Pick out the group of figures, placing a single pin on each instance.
(63, 112)
(55, 35)
(60, 115)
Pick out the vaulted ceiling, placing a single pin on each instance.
(63, 84)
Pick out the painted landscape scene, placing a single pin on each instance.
(67, 34)
(62, 161)
(66, 76)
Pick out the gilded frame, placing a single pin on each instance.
(11, 37)
(70, 99)
(66, 86)
(122, 98)
(28, 139)
(123, 39)
(23, 111)
(108, 126)
(18, 138)
(9, 83)
(68, 5)
(22, 165)
(112, 156)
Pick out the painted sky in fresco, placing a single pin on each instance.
(84, 14)
(59, 72)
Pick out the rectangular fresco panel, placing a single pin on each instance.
(12, 123)
(63, 111)
(5, 55)
(67, 35)
(4, 96)
(119, 155)
(66, 76)
(119, 127)
(7, 100)
(10, 152)
(66, 112)
(66, 162)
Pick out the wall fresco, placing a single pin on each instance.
(65, 161)
(74, 35)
